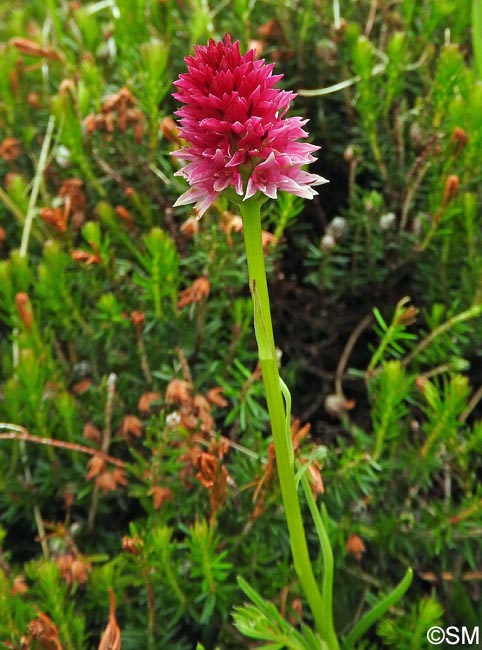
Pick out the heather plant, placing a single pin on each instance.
(138, 476)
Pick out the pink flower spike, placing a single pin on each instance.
(233, 121)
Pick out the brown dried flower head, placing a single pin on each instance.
(125, 216)
(145, 402)
(421, 383)
(130, 428)
(90, 124)
(198, 291)
(190, 227)
(160, 495)
(75, 200)
(109, 481)
(31, 48)
(451, 188)
(19, 585)
(96, 465)
(137, 318)
(44, 630)
(82, 386)
(85, 256)
(178, 391)
(316, 482)
(80, 571)
(298, 433)
(132, 545)
(118, 110)
(214, 477)
(202, 409)
(208, 467)
(355, 547)
(10, 149)
(231, 223)
(55, 217)
(459, 138)
(24, 309)
(111, 638)
(268, 241)
(170, 131)
(92, 433)
(215, 397)
(408, 316)
(118, 101)
(220, 447)
(73, 569)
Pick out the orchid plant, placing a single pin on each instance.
(241, 145)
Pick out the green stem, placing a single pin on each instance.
(250, 211)
(151, 602)
(328, 565)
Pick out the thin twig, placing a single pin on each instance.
(352, 178)
(20, 433)
(350, 344)
(378, 69)
(42, 161)
(472, 312)
(109, 406)
(186, 372)
(474, 400)
(417, 172)
(106, 438)
(371, 17)
(141, 348)
(336, 15)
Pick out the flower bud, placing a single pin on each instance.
(349, 154)
(459, 138)
(24, 309)
(337, 228)
(416, 136)
(387, 221)
(132, 545)
(451, 188)
(328, 243)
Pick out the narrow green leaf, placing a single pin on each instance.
(477, 35)
(379, 610)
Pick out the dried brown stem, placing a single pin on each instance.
(474, 400)
(371, 17)
(350, 344)
(18, 432)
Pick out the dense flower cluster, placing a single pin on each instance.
(233, 121)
